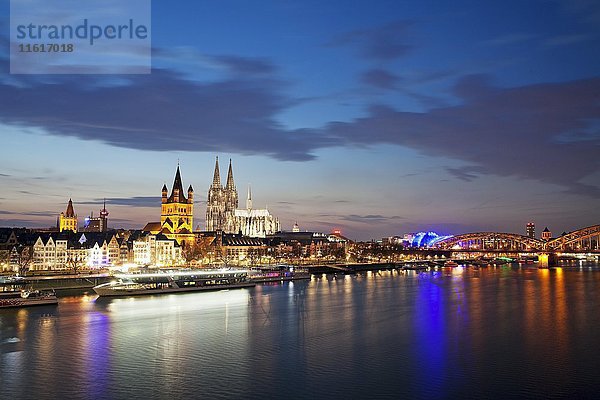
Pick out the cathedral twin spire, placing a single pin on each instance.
(222, 213)
(217, 176)
(222, 201)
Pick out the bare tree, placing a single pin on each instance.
(254, 255)
(4, 258)
(75, 262)
(24, 259)
(195, 251)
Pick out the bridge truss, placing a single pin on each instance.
(584, 239)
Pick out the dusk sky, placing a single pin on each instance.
(375, 117)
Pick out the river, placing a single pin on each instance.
(489, 333)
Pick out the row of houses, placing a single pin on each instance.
(55, 251)
(22, 249)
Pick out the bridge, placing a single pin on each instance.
(581, 240)
(584, 239)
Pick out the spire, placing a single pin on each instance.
(217, 176)
(177, 188)
(230, 183)
(249, 199)
(70, 212)
(104, 211)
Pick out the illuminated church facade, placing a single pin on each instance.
(223, 214)
(67, 221)
(177, 211)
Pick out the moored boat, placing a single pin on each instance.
(174, 282)
(26, 298)
(278, 273)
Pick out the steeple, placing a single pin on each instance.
(70, 212)
(104, 212)
(164, 194)
(230, 184)
(249, 199)
(217, 175)
(177, 195)
(190, 194)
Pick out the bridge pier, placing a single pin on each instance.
(546, 260)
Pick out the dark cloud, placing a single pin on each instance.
(30, 213)
(385, 43)
(18, 223)
(380, 78)
(544, 132)
(163, 111)
(500, 131)
(370, 218)
(467, 173)
(138, 201)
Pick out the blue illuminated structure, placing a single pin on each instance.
(426, 239)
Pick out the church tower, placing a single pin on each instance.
(249, 199)
(67, 221)
(215, 205)
(231, 202)
(177, 211)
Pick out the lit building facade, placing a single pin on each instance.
(177, 212)
(67, 221)
(156, 250)
(96, 224)
(221, 202)
(223, 214)
(546, 234)
(530, 230)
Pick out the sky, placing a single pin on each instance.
(374, 117)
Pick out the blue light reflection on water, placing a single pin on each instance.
(429, 326)
(98, 354)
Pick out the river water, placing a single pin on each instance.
(489, 333)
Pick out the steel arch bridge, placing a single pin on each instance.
(584, 239)
(581, 240)
(491, 241)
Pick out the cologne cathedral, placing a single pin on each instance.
(222, 213)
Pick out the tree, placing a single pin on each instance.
(195, 251)
(23, 259)
(75, 262)
(253, 256)
(4, 258)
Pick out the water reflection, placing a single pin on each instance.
(504, 332)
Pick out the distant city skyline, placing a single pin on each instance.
(374, 118)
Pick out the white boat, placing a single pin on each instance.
(278, 273)
(174, 282)
(26, 298)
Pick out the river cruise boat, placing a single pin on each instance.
(174, 282)
(278, 273)
(26, 298)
